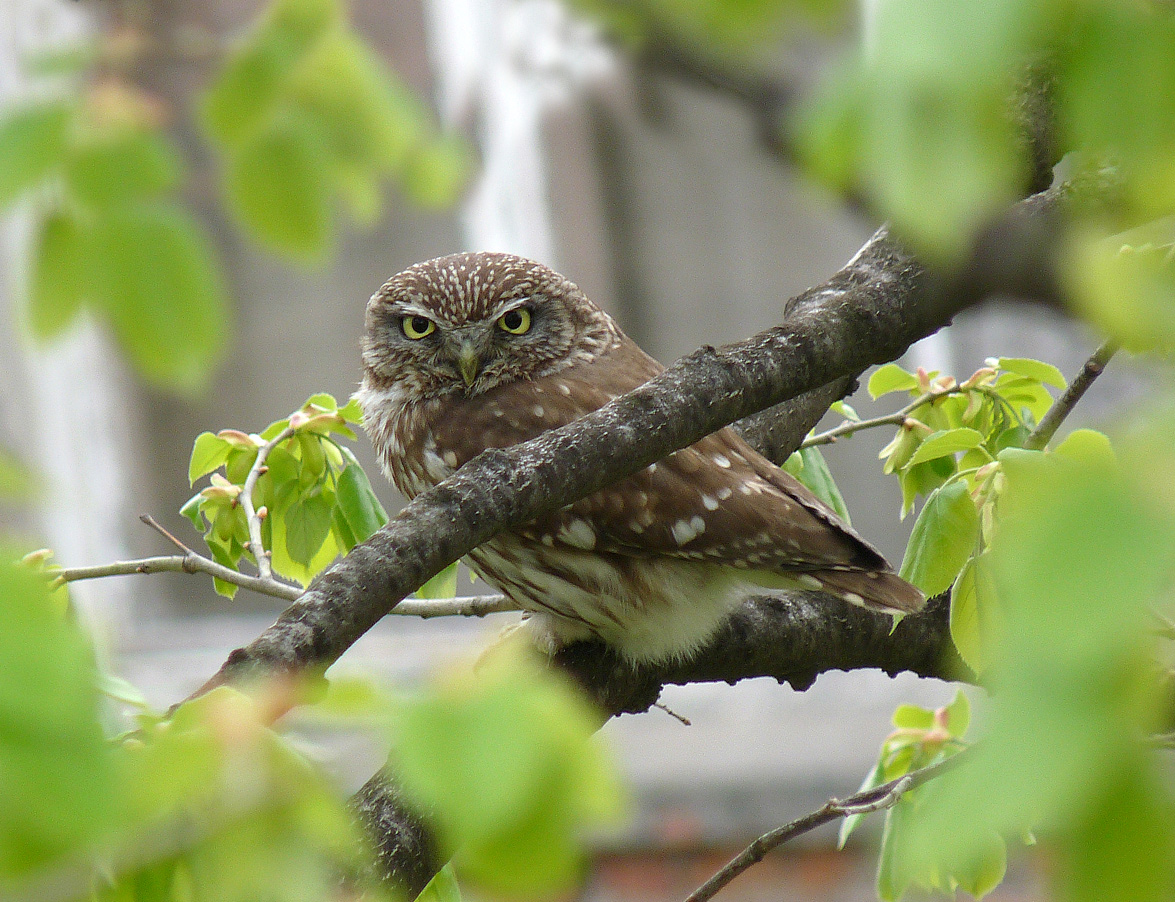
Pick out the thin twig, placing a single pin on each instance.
(180, 563)
(848, 427)
(883, 796)
(1064, 405)
(191, 562)
(166, 533)
(681, 718)
(246, 499)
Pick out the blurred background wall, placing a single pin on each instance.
(659, 197)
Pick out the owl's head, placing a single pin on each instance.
(466, 323)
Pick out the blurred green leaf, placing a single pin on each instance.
(1127, 289)
(913, 717)
(442, 888)
(437, 172)
(62, 259)
(443, 585)
(122, 166)
(278, 183)
(1115, 84)
(875, 777)
(1078, 556)
(59, 789)
(161, 290)
(32, 145)
(943, 538)
(1088, 446)
(17, 481)
(507, 763)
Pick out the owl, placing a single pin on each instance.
(485, 350)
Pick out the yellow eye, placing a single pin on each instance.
(417, 326)
(516, 322)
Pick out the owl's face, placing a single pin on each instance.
(468, 323)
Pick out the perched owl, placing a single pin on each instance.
(476, 351)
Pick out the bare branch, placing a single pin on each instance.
(181, 563)
(1063, 406)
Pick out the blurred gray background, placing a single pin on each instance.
(658, 197)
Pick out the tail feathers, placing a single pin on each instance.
(878, 590)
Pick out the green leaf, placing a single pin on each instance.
(913, 717)
(438, 171)
(161, 290)
(966, 631)
(849, 824)
(959, 715)
(209, 452)
(985, 871)
(945, 442)
(816, 476)
(942, 540)
(32, 145)
(525, 775)
(62, 259)
(890, 378)
(308, 522)
(59, 791)
(1033, 369)
(1090, 447)
(352, 412)
(191, 510)
(357, 503)
(845, 410)
(443, 585)
(442, 888)
(115, 687)
(278, 183)
(121, 166)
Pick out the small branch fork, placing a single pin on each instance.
(877, 799)
(193, 562)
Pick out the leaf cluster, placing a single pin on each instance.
(314, 499)
(924, 738)
(111, 239)
(306, 116)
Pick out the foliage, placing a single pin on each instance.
(315, 499)
(304, 117)
(211, 803)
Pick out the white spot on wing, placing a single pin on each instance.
(450, 459)
(538, 411)
(578, 534)
(724, 493)
(686, 530)
(709, 502)
(722, 460)
(809, 581)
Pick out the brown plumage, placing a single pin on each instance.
(475, 351)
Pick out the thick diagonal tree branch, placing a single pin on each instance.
(868, 313)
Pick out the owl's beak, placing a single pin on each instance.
(468, 362)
